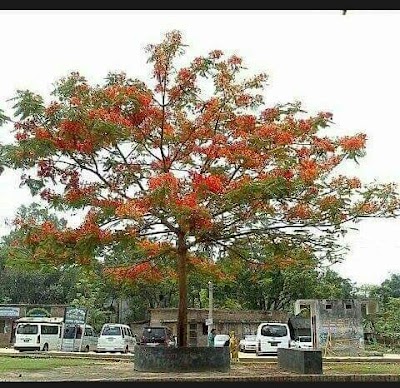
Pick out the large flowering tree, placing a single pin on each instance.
(189, 170)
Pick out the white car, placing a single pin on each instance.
(116, 337)
(303, 342)
(248, 343)
(271, 336)
(221, 340)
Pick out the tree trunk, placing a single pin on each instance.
(183, 297)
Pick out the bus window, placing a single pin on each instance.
(48, 329)
(69, 332)
(27, 328)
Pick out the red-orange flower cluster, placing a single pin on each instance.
(210, 183)
(142, 271)
(353, 143)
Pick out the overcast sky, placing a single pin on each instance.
(346, 64)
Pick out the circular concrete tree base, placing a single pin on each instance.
(185, 359)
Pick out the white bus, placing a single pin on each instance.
(38, 333)
(79, 337)
(271, 336)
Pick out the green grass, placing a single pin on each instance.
(380, 348)
(361, 368)
(9, 364)
(32, 364)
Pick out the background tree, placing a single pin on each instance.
(21, 280)
(389, 288)
(278, 288)
(387, 321)
(330, 285)
(186, 170)
(90, 295)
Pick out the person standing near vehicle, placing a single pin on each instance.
(211, 337)
(234, 347)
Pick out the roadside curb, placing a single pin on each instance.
(281, 379)
(274, 359)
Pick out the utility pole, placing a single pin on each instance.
(210, 306)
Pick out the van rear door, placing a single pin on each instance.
(27, 336)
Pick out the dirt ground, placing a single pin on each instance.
(124, 371)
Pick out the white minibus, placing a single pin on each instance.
(271, 336)
(77, 338)
(38, 333)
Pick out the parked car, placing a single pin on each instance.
(157, 336)
(248, 343)
(303, 342)
(271, 336)
(38, 333)
(116, 337)
(221, 340)
(73, 341)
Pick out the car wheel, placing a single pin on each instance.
(87, 348)
(45, 347)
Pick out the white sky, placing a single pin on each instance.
(349, 65)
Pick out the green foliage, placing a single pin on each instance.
(34, 185)
(89, 294)
(390, 288)
(330, 285)
(28, 104)
(31, 287)
(388, 320)
(3, 117)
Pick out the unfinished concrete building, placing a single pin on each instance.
(336, 325)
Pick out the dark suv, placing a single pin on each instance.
(156, 336)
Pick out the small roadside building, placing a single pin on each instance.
(224, 321)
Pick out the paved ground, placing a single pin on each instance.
(249, 368)
(245, 357)
(124, 371)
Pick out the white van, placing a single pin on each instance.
(271, 336)
(38, 333)
(116, 337)
(74, 341)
